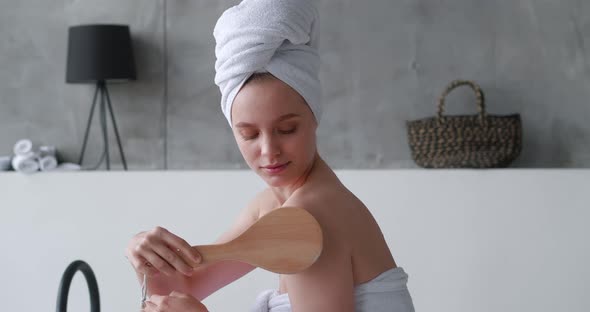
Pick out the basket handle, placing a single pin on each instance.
(457, 83)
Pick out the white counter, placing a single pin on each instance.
(495, 240)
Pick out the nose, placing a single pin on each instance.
(270, 146)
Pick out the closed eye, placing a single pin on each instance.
(249, 136)
(253, 135)
(287, 131)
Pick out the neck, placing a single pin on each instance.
(284, 192)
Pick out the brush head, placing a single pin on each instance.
(286, 240)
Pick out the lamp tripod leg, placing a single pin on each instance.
(110, 108)
(88, 125)
(103, 123)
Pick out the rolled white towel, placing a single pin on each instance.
(25, 164)
(24, 147)
(5, 163)
(47, 163)
(47, 151)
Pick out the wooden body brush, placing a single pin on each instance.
(286, 240)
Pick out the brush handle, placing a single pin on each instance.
(217, 252)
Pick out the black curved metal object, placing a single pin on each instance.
(66, 281)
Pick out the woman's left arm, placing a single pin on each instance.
(327, 285)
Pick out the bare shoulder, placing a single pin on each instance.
(331, 203)
(257, 207)
(348, 227)
(334, 207)
(264, 202)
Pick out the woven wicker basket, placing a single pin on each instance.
(465, 141)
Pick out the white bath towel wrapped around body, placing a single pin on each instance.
(275, 36)
(387, 292)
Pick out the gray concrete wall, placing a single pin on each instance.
(384, 62)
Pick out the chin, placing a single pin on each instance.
(276, 180)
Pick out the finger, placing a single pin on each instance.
(175, 252)
(173, 259)
(144, 251)
(137, 261)
(190, 255)
(156, 248)
(189, 300)
(150, 307)
(129, 250)
(159, 264)
(157, 300)
(141, 265)
(178, 294)
(148, 269)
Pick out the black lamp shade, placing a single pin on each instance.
(100, 53)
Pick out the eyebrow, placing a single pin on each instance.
(284, 117)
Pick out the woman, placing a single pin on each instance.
(267, 72)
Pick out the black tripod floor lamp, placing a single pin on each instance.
(100, 54)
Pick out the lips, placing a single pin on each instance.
(276, 168)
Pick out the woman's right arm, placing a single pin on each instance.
(204, 279)
(208, 279)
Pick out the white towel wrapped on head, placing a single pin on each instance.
(275, 36)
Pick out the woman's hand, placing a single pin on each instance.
(159, 250)
(175, 302)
